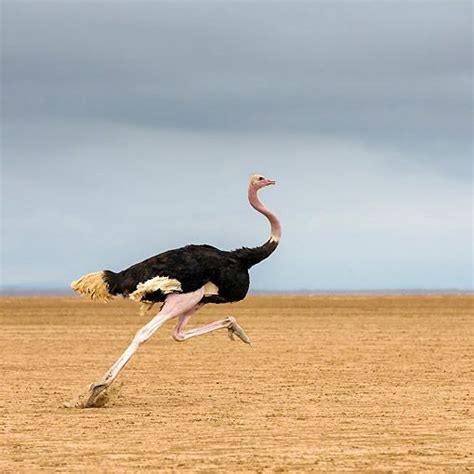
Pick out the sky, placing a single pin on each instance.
(129, 128)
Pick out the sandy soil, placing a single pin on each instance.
(330, 383)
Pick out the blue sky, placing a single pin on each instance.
(130, 128)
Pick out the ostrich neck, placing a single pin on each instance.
(272, 218)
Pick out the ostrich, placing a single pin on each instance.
(182, 280)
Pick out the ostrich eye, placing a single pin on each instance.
(261, 178)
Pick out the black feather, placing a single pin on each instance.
(194, 266)
(251, 256)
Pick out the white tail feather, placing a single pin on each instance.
(92, 286)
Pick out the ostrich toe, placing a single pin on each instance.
(235, 330)
(95, 390)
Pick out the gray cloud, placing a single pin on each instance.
(122, 122)
(308, 66)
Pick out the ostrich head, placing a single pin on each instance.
(258, 181)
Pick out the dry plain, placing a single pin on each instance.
(331, 383)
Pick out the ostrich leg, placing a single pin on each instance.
(175, 305)
(230, 323)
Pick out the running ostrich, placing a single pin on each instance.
(182, 280)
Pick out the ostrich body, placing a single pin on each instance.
(182, 280)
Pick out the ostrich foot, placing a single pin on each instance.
(235, 330)
(94, 395)
(95, 391)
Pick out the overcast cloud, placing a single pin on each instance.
(131, 127)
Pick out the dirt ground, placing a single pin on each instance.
(329, 384)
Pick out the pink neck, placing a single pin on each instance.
(258, 206)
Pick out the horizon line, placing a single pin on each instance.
(18, 292)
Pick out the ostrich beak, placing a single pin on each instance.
(271, 181)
